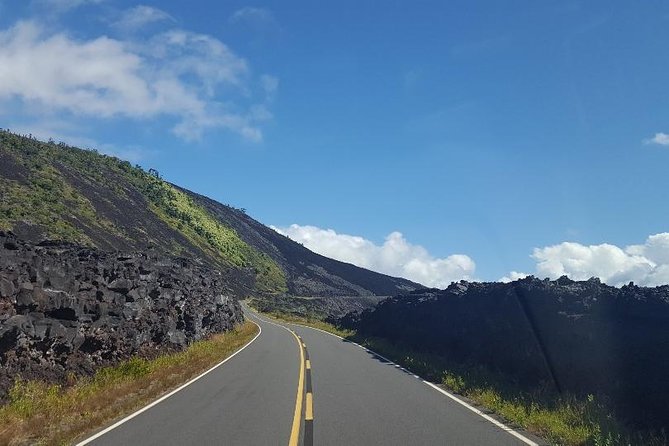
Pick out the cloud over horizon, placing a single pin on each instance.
(645, 264)
(395, 257)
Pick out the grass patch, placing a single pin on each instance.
(203, 230)
(560, 420)
(40, 413)
(49, 201)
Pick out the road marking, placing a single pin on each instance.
(309, 410)
(164, 397)
(297, 417)
(478, 412)
(295, 431)
(497, 423)
(308, 439)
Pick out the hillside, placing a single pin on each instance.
(54, 191)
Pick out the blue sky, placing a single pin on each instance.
(500, 131)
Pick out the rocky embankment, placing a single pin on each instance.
(575, 337)
(65, 308)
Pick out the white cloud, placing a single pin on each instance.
(645, 264)
(140, 16)
(396, 257)
(513, 276)
(253, 15)
(177, 74)
(655, 249)
(659, 138)
(608, 262)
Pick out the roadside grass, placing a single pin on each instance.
(560, 420)
(40, 413)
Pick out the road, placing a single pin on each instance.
(325, 392)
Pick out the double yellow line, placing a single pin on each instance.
(309, 409)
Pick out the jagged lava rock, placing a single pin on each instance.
(579, 337)
(66, 308)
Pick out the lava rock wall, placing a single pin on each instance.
(66, 308)
(579, 338)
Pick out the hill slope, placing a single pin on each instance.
(55, 191)
(308, 273)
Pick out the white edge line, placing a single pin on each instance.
(478, 412)
(164, 397)
(497, 423)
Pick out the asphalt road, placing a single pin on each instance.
(347, 396)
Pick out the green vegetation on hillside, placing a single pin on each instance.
(50, 202)
(44, 197)
(41, 413)
(203, 230)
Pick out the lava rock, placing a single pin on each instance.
(577, 337)
(66, 308)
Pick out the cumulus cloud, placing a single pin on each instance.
(659, 138)
(176, 74)
(644, 264)
(608, 262)
(396, 256)
(656, 249)
(140, 16)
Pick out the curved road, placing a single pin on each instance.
(325, 392)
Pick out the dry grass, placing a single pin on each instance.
(40, 413)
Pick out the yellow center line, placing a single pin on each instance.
(295, 431)
(308, 365)
(309, 410)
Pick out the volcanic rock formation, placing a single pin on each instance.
(65, 308)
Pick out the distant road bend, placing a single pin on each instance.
(297, 385)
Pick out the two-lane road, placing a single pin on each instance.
(300, 384)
